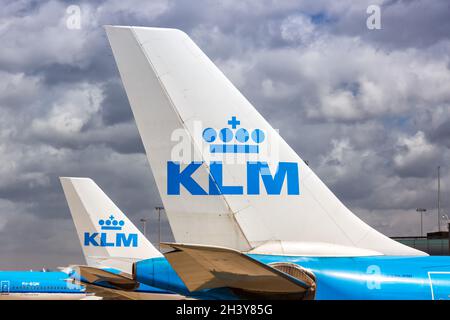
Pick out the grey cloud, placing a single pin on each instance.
(441, 134)
(115, 105)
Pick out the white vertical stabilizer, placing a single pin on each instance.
(171, 86)
(107, 237)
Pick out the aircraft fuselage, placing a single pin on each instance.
(349, 278)
(35, 285)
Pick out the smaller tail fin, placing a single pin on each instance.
(107, 237)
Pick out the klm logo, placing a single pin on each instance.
(234, 140)
(287, 171)
(108, 239)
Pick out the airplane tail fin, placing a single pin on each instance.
(107, 237)
(225, 176)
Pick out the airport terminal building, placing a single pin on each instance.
(434, 243)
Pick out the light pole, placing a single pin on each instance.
(439, 198)
(444, 216)
(144, 226)
(158, 209)
(421, 210)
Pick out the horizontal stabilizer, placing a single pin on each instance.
(207, 267)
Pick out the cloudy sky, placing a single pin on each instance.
(369, 109)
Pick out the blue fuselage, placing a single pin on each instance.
(26, 282)
(377, 277)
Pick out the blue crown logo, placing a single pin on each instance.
(234, 140)
(111, 223)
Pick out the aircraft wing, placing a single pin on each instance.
(207, 267)
(102, 277)
(115, 285)
(117, 294)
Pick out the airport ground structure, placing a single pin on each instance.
(434, 243)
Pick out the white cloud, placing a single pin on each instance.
(416, 156)
(18, 89)
(70, 112)
(347, 79)
(41, 38)
(297, 29)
